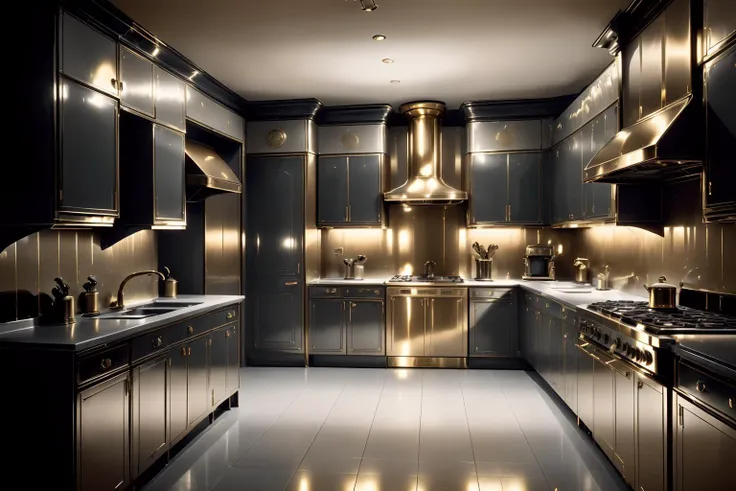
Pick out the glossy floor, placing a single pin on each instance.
(325, 429)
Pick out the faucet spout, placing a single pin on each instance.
(120, 302)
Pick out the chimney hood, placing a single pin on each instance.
(207, 173)
(424, 184)
(664, 145)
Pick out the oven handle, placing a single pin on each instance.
(582, 348)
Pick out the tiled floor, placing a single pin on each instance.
(325, 429)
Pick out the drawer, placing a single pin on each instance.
(569, 315)
(150, 343)
(326, 292)
(552, 308)
(364, 291)
(707, 389)
(505, 293)
(199, 325)
(108, 361)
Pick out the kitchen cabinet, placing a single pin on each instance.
(278, 322)
(213, 115)
(704, 449)
(651, 431)
(720, 164)
(103, 443)
(177, 394)
(149, 413)
(586, 384)
(568, 179)
(233, 358)
(87, 55)
(493, 324)
(170, 94)
(650, 91)
(505, 188)
(598, 196)
(719, 24)
(136, 82)
(624, 424)
(556, 377)
(88, 159)
(349, 190)
(169, 175)
(604, 409)
(327, 326)
(218, 364)
(570, 365)
(443, 316)
(197, 379)
(366, 330)
(631, 82)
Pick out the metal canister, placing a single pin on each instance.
(483, 269)
(90, 299)
(171, 286)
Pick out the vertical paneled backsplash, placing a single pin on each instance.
(28, 269)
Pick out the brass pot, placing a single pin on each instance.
(662, 295)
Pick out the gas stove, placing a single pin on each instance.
(409, 280)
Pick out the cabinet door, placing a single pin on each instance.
(574, 177)
(650, 95)
(555, 354)
(233, 359)
(704, 451)
(136, 82)
(366, 328)
(599, 196)
(488, 188)
(525, 191)
(586, 384)
(169, 174)
(103, 444)
(149, 413)
(89, 161)
(570, 368)
(604, 406)
(170, 108)
(720, 168)
(218, 366)
(327, 326)
(278, 323)
(275, 226)
(364, 176)
(677, 52)
(177, 393)
(631, 82)
(445, 334)
(624, 425)
(332, 190)
(559, 203)
(406, 337)
(492, 328)
(651, 430)
(198, 400)
(719, 20)
(88, 55)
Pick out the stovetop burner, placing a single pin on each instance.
(682, 320)
(405, 278)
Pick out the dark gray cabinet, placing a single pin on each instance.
(570, 365)
(88, 55)
(136, 82)
(525, 188)
(233, 358)
(366, 331)
(586, 384)
(170, 98)
(277, 315)
(651, 431)
(177, 394)
(327, 326)
(149, 413)
(650, 91)
(493, 325)
(88, 160)
(568, 180)
(218, 364)
(631, 82)
(555, 355)
(198, 401)
(598, 196)
(719, 24)
(103, 435)
(349, 190)
(169, 175)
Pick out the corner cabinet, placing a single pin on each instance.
(349, 190)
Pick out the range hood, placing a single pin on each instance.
(424, 184)
(664, 145)
(207, 173)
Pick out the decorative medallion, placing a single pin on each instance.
(276, 138)
(350, 141)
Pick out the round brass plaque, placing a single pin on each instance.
(350, 141)
(276, 138)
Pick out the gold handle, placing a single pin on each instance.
(230, 315)
(183, 352)
(105, 364)
(640, 385)
(710, 188)
(114, 83)
(730, 402)
(346, 213)
(189, 351)
(227, 334)
(157, 342)
(331, 290)
(120, 86)
(353, 305)
(190, 330)
(700, 386)
(291, 283)
(546, 304)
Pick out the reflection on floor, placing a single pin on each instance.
(325, 429)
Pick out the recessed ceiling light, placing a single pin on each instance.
(379, 37)
(395, 82)
(387, 61)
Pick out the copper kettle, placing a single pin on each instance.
(662, 295)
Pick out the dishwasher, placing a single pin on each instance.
(427, 327)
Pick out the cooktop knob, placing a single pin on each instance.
(625, 348)
(638, 354)
(647, 358)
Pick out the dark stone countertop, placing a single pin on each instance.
(90, 332)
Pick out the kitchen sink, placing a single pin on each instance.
(139, 312)
(574, 291)
(173, 304)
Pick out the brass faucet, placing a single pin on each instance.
(119, 304)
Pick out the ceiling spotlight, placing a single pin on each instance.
(368, 5)
(387, 61)
(156, 51)
(395, 82)
(379, 37)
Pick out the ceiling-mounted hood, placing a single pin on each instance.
(207, 173)
(424, 184)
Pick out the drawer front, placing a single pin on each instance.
(552, 308)
(325, 292)
(364, 291)
(200, 325)
(707, 389)
(569, 315)
(99, 364)
(505, 293)
(149, 343)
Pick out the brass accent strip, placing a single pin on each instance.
(425, 362)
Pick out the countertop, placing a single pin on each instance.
(342, 282)
(89, 332)
(715, 351)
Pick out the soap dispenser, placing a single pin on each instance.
(90, 297)
(170, 284)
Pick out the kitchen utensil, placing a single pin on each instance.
(483, 252)
(361, 259)
(171, 286)
(601, 282)
(63, 302)
(491, 251)
(662, 295)
(349, 269)
(429, 269)
(476, 248)
(484, 269)
(91, 297)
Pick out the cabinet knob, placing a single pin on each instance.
(730, 402)
(114, 83)
(230, 315)
(157, 342)
(189, 351)
(700, 386)
(105, 364)
(640, 385)
(353, 305)
(227, 334)
(190, 330)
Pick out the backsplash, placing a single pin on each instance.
(28, 269)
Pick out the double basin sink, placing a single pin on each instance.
(570, 287)
(156, 307)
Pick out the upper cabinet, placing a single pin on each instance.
(719, 25)
(170, 98)
(136, 82)
(88, 55)
(211, 114)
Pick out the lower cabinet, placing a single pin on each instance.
(366, 331)
(625, 415)
(103, 435)
(570, 365)
(218, 366)
(233, 358)
(327, 326)
(493, 325)
(704, 450)
(177, 394)
(604, 405)
(149, 416)
(586, 384)
(198, 401)
(651, 434)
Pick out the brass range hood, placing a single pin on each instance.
(207, 173)
(424, 184)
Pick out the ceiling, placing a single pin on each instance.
(449, 50)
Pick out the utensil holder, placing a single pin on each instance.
(359, 269)
(349, 271)
(483, 269)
